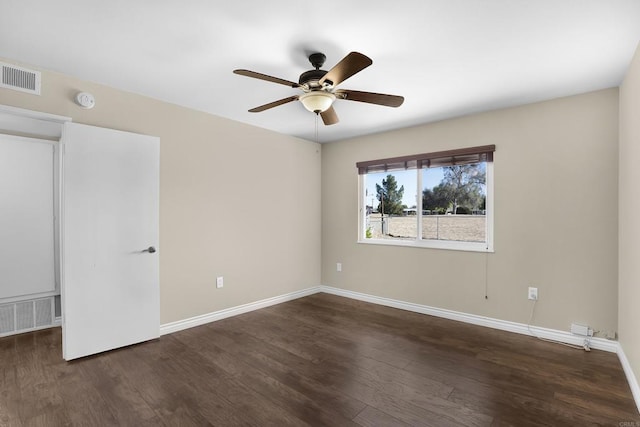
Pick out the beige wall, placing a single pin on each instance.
(556, 221)
(629, 281)
(216, 218)
(235, 200)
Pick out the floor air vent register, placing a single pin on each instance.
(24, 316)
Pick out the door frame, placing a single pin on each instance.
(21, 122)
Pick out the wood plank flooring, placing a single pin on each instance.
(318, 360)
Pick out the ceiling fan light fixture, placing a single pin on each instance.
(317, 101)
(318, 87)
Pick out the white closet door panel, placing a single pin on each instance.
(26, 216)
(110, 285)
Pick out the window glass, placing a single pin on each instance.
(391, 205)
(454, 203)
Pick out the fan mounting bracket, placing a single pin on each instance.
(317, 59)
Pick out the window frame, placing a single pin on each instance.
(419, 241)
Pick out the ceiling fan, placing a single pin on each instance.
(319, 87)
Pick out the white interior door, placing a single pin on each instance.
(110, 276)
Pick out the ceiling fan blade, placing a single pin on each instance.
(329, 116)
(350, 64)
(371, 98)
(261, 76)
(274, 104)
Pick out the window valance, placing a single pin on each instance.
(461, 156)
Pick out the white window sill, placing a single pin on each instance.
(432, 244)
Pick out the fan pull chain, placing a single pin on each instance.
(317, 115)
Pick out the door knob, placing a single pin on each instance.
(150, 249)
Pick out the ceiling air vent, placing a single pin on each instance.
(19, 78)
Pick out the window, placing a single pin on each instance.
(437, 200)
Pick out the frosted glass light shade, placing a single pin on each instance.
(317, 101)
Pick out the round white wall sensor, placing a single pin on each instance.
(85, 100)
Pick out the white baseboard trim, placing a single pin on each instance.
(180, 325)
(504, 325)
(631, 378)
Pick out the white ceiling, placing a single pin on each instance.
(446, 57)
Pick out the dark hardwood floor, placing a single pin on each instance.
(319, 360)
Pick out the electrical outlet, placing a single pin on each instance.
(219, 282)
(533, 293)
(583, 330)
(339, 266)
